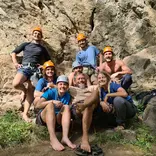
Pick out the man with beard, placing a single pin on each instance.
(87, 56)
(83, 104)
(116, 68)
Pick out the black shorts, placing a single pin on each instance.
(40, 122)
(73, 110)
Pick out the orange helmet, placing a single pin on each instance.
(37, 29)
(48, 64)
(107, 49)
(80, 37)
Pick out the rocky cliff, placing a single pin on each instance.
(127, 25)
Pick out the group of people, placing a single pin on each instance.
(89, 89)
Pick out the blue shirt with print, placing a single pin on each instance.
(52, 94)
(112, 89)
(42, 83)
(88, 57)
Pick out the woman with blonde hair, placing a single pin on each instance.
(115, 100)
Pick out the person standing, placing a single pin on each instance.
(34, 54)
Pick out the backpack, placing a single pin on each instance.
(144, 97)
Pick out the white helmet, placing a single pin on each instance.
(76, 64)
(62, 78)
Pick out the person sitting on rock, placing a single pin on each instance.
(54, 109)
(34, 54)
(77, 68)
(114, 99)
(87, 56)
(116, 68)
(48, 80)
(83, 104)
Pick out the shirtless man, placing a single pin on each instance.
(84, 101)
(77, 68)
(116, 68)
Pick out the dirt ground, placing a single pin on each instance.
(44, 149)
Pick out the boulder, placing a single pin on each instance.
(149, 115)
(143, 65)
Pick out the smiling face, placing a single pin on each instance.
(37, 35)
(62, 88)
(102, 79)
(81, 81)
(108, 56)
(82, 43)
(50, 71)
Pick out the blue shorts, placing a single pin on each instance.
(31, 73)
(27, 71)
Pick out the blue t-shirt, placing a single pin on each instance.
(88, 57)
(113, 89)
(42, 83)
(52, 94)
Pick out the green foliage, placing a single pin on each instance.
(140, 108)
(14, 130)
(145, 137)
(102, 138)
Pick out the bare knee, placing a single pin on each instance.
(49, 106)
(66, 108)
(19, 80)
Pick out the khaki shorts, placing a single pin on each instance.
(88, 70)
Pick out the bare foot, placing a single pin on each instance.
(68, 143)
(85, 146)
(56, 145)
(25, 117)
(22, 97)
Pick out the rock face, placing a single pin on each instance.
(127, 25)
(143, 65)
(149, 116)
